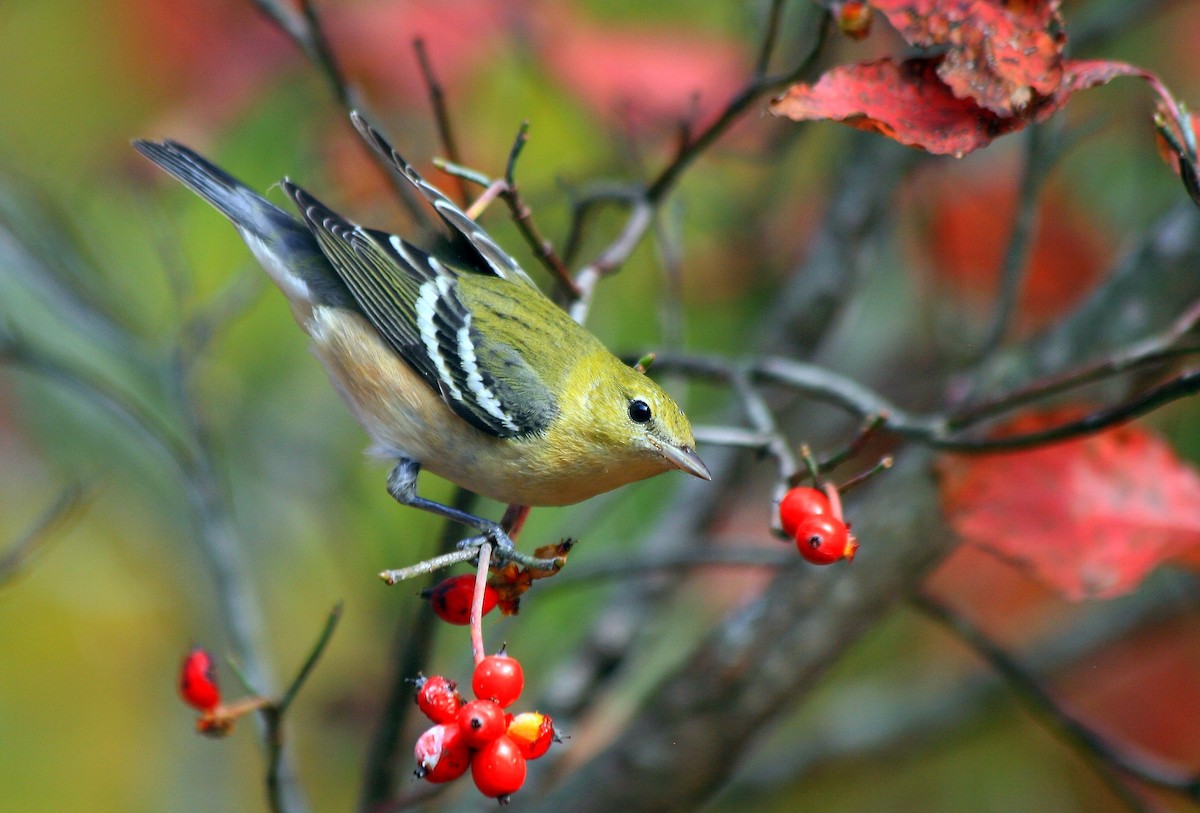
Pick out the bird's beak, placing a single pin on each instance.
(686, 459)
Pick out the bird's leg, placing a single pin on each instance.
(402, 485)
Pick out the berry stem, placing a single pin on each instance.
(814, 468)
(485, 555)
(835, 500)
(885, 463)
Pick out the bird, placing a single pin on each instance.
(465, 369)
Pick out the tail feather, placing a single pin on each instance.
(238, 202)
(283, 245)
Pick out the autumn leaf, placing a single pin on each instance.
(1089, 517)
(642, 77)
(1140, 703)
(996, 595)
(908, 102)
(211, 59)
(512, 580)
(966, 232)
(373, 40)
(905, 101)
(1002, 55)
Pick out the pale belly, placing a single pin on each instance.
(405, 418)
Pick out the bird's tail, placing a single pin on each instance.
(284, 246)
(242, 205)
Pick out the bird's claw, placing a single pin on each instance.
(495, 535)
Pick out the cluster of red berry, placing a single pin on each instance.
(480, 734)
(808, 517)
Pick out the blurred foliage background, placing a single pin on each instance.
(93, 625)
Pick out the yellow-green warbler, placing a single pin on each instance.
(472, 373)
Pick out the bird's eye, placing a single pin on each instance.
(639, 411)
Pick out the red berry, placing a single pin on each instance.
(533, 733)
(451, 598)
(498, 768)
(824, 540)
(499, 678)
(442, 754)
(198, 681)
(481, 722)
(438, 698)
(799, 504)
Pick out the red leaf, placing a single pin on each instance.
(643, 77)
(1002, 54)
(904, 101)
(909, 102)
(211, 58)
(967, 231)
(996, 595)
(1090, 517)
(1149, 680)
(373, 41)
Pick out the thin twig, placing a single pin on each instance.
(674, 562)
(1180, 386)
(274, 713)
(641, 217)
(437, 99)
(494, 190)
(428, 566)
(305, 31)
(885, 463)
(870, 425)
(933, 430)
(611, 258)
(1152, 350)
(769, 39)
(731, 436)
(760, 85)
(462, 172)
(1039, 154)
(778, 446)
(763, 421)
(314, 655)
(584, 204)
(221, 546)
(522, 215)
(513, 521)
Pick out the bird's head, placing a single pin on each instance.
(629, 414)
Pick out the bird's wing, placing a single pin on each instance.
(482, 245)
(414, 302)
